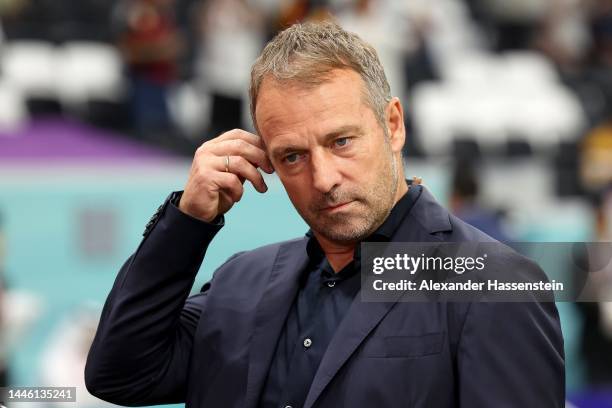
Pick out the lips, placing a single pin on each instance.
(336, 207)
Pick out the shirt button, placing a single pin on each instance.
(331, 284)
(307, 343)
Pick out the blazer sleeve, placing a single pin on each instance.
(141, 351)
(511, 355)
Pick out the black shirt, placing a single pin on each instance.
(323, 299)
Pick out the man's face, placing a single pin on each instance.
(331, 154)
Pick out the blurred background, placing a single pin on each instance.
(102, 104)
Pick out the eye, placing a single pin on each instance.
(292, 158)
(342, 141)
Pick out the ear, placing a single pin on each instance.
(395, 124)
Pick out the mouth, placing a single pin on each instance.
(336, 207)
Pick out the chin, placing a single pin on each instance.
(340, 234)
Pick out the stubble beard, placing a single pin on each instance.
(355, 225)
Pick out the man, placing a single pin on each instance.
(283, 325)
(151, 46)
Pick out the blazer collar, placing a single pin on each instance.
(428, 214)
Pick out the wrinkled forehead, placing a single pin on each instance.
(341, 93)
(309, 80)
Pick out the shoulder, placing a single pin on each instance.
(264, 255)
(250, 267)
(462, 231)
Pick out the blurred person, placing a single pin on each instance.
(232, 33)
(296, 11)
(465, 203)
(284, 325)
(402, 33)
(392, 28)
(596, 334)
(512, 25)
(598, 70)
(151, 46)
(12, 7)
(601, 31)
(563, 34)
(596, 157)
(19, 310)
(590, 76)
(557, 28)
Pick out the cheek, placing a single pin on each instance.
(365, 164)
(296, 189)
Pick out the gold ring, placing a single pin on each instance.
(227, 164)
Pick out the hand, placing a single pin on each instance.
(213, 187)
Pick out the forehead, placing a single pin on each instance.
(291, 107)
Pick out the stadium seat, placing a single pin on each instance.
(433, 116)
(190, 108)
(89, 71)
(30, 67)
(492, 97)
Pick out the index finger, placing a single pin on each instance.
(239, 147)
(241, 134)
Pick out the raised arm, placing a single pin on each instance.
(141, 352)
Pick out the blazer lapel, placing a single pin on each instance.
(426, 218)
(272, 312)
(361, 318)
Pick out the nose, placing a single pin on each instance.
(325, 172)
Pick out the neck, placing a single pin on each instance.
(402, 189)
(340, 254)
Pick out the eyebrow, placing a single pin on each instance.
(353, 129)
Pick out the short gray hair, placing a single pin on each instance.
(305, 54)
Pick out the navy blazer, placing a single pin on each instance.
(155, 344)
